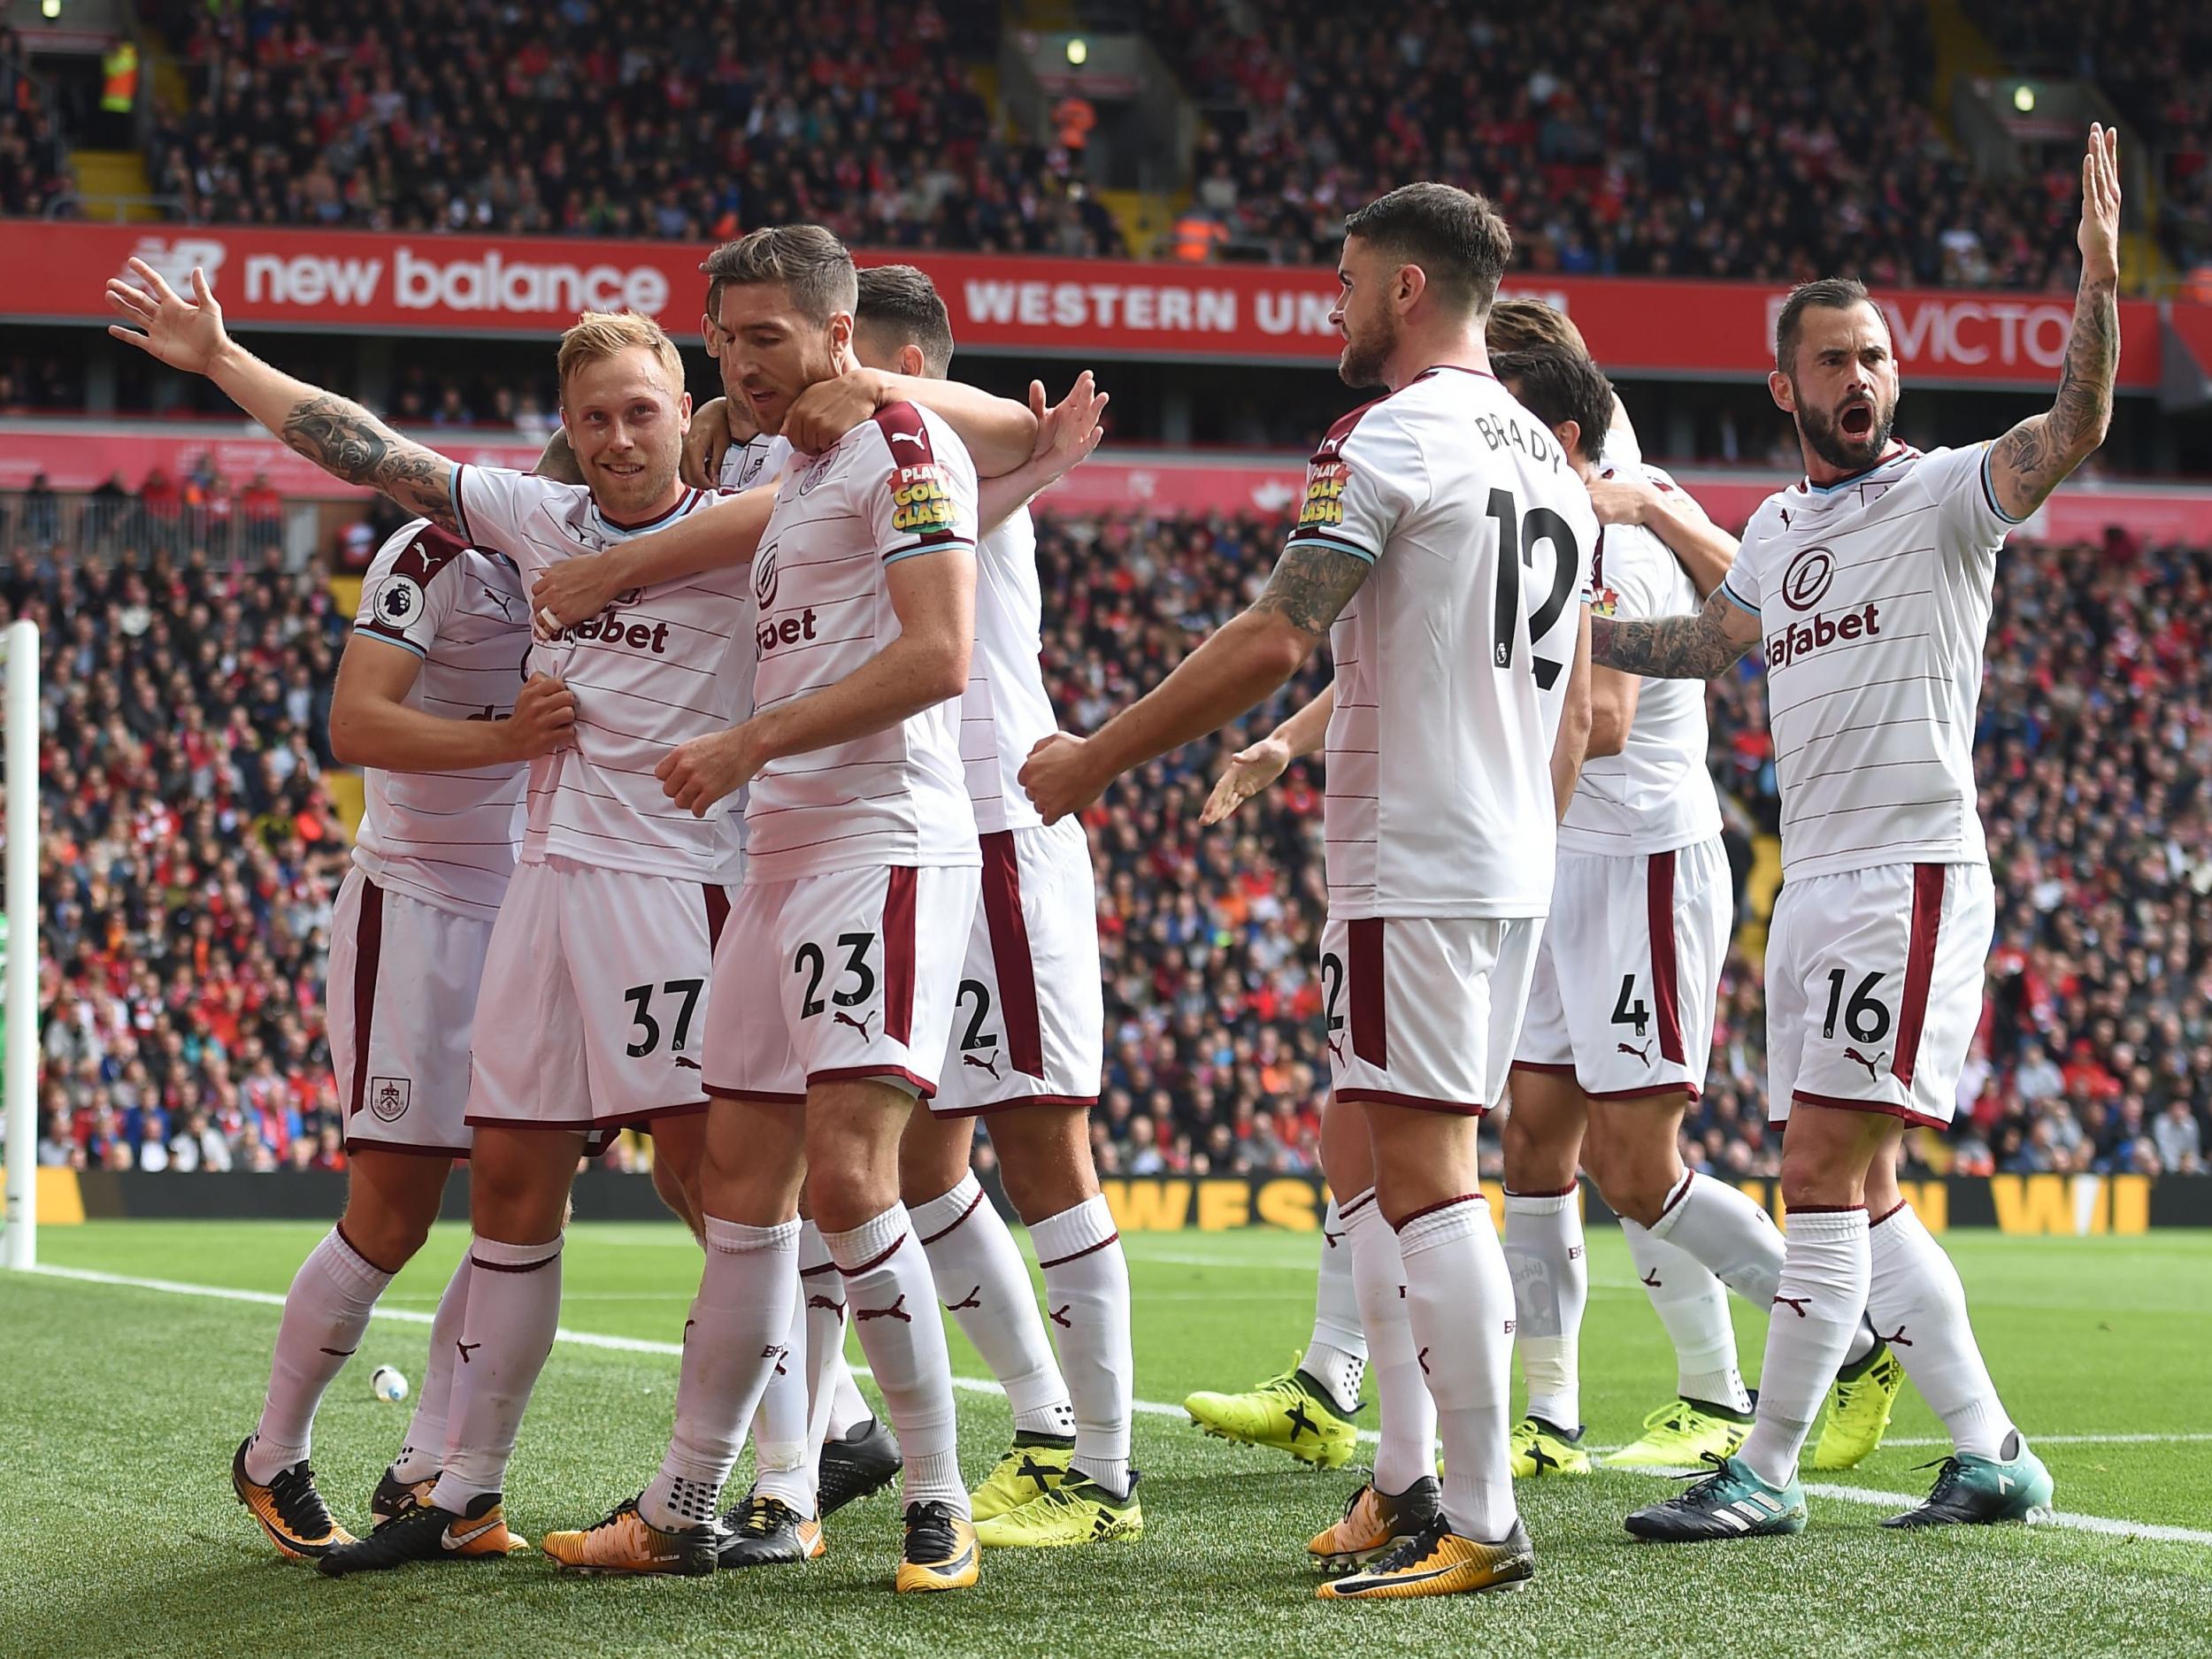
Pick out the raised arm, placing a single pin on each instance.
(932, 595)
(727, 532)
(1706, 551)
(2029, 462)
(1245, 661)
(1675, 648)
(1251, 770)
(1000, 433)
(370, 724)
(334, 432)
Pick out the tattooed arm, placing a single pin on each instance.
(1675, 648)
(2029, 462)
(1242, 664)
(336, 433)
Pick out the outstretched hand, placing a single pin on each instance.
(1067, 430)
(1249, 771)
(2099, 235)
(184, 334)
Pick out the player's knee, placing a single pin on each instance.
(930, 1166)
(386, 1237)
(1631, 1191)
(1540, 1155)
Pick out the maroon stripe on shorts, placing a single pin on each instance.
(1920, 952)
(1363, 944)
(898, 954)
(368, 950)
(718, 900)
(1010, 954)
(1666, 990)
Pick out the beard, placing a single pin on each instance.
(1361, 365)
(1825, 435)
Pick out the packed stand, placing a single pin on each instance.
(191, 863)
(651, 121)
(1698, 141)
(34, 159)
(2154, 59)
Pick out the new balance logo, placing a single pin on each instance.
(1854, 1055)
(1642, 1052)
(826, 1304)
(860, 1025)
(974, 1299)
(1795, 1304)
(467, 1348)
(1651, 1280)
(1060, 1316)
(896, 1310)
(990, 1065)
(1898, 1340)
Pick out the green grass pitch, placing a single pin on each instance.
(119, 1408)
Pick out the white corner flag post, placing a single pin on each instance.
(19, 1081)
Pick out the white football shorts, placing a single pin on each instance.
(850, 974)
(1629, 970)
(1874, 988)
(593, 1012)
(1030, 1026)
(403, 992)
(1425, 1013)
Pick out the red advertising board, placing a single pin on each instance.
(359, 281)
(77, 455)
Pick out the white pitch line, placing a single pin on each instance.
(2099, 1524)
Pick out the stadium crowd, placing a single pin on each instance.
(1649, 148)
(862, 117)
(192, 856)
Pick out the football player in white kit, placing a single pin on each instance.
(432, 702)
(1616, 1042)
(859, 891)
(602, 947)
(1869, 585)
(1443, 547)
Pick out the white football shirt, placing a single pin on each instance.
(1655, 794)
(898, 487)
(447, 838)
(1874, 596)
(749, 465)
(659, 667)
(1453, 660)
(1006, 709)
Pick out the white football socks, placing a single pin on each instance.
(893, 1308)
(514, 1307)
(783, 1450)
(1336, 1355)
(1407, 1450)
(1819, 1303)
(1736, 1241)
(1086, 1294)
(822, 1296)
(739, 1331)
(425, 1444)
(1918, 1306)
(1459, 1303)
(984, 1284)
(325, 1313)
(1692, 1305)
(1551, 1287)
